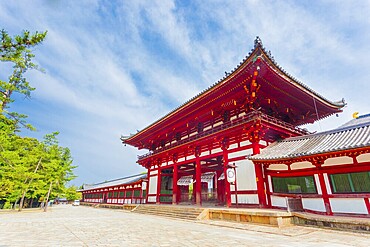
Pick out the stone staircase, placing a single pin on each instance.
(178, 212)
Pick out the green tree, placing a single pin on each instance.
(29, 169)
(17, 51)
(71, 193)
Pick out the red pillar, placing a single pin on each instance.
(367, 203)
(325, 195)
(147, 186)
(174, 185)
(259, 177)
(268, 193)
(227, 184)
(159, 182)
(198, 183)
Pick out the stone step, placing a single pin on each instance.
(195, 215)
(169, 211)
(178, 216)
(165, 210)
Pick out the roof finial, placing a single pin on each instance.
(257, 42)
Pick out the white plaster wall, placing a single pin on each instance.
(190, 157)
(279, 167)
(232, 146)
(242, 153)
(301, 165)
(348, 205)
(245, 143)
(363, 158)
(170, 162)
(217, 124)
(153, 185)
(204, 154)
(315, 204)
(152, 198)
(245, 175)
(245, 199)
(154, 172)
(181, 159)
(216, 150)
(207, 128)
(278, 201)
(192, 134)
(338, 161)
(317, 182)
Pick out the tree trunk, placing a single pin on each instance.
(29, 183)
(47, 197)
(22, 200)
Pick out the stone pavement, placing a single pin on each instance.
(65, 225)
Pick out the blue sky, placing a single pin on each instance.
(114, 67)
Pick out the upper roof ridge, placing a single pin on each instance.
(257, 42)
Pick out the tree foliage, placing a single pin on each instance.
(29, 168)
(18, 52)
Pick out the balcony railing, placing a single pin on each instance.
(232, 123)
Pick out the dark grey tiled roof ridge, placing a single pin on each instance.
(115, 182)
(354, 134)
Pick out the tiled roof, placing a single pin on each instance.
(357, 121)
(354, 134)
(257, 45)
(115, 182)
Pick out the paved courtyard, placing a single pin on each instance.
(65, 225)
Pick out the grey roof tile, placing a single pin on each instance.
(354, 134)
(115, 182)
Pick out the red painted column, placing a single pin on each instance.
(268, 193)
(227, 184)
(198, 183)
(324, 191)
(259, 177)
(367, 203)
(147, 186)
(141, 193)
(174, 185)
(159, 182)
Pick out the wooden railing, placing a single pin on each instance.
(232, 123)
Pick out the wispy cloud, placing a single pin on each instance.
(113, 67)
